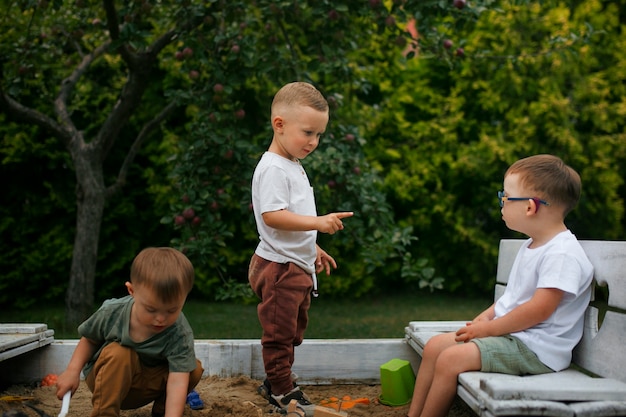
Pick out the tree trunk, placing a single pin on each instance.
(90, 201)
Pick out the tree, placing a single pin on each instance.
(80, 73)
(71, 59)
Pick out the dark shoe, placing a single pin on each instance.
(281, 402)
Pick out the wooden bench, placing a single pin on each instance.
(593, 386)
(19, 338)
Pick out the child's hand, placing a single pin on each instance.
(67, 381)
(472, 330)
(324, 261)
(331, 222)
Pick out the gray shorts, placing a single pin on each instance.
(508, 355)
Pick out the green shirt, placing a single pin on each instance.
(174, 346)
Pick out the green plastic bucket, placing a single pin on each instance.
(397, 381)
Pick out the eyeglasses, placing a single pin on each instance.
(502, 198)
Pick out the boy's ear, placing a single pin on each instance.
(129, 287)
(532, 208)
(278, 123)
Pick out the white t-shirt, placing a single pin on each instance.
(561, 263)
(281, 184)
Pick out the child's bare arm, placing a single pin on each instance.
(486, 315)
(543, 303)
(177, 384)
(286, 220)
(69, 379)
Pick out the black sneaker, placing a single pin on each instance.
(281, 402)
(265, 389)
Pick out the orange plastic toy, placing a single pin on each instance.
(49, 380)
(344, 403)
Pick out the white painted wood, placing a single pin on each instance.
(555, 388)
(470, 391)
(599, 408)
(506, 256)
(22, 328)
(14, 344)
(25, 348)
(318, 361)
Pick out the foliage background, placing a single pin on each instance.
(417, 145)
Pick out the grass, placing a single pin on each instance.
(383, 316)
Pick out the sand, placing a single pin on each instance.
(222, 397)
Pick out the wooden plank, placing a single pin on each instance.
(318, 361)
(22, 328)
(555, 389)
(25, 348)
(599, 409)
(11, 341)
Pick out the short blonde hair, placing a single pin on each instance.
(550, 178)
(299, 94)
(166, 271)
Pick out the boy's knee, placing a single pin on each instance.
(116, 351)
(195, 375)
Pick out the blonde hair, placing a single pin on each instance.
(550, 179)
(166, 271)
(299, 94)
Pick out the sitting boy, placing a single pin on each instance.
(140, 348)
(534, 326)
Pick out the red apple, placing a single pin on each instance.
(235, 48)
(240, 114)
(196, 221)
(189, 213)
(179, 55)
(179, 220)
(218, 88)
(460, 52)
(459, 4)
(187, 52)
(349, 137)
(185, 198)
(447, 44)
(193, 74)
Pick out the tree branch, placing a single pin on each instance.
(25, 114)
(136, 146)
(67, 86)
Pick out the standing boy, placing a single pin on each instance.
(534, 326)
(140, 348)
(283, 267)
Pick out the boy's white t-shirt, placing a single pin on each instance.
(281, 184)
(561, 263)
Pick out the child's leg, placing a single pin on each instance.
(111, 379)
(283, 289)
(442, 362)
(449, 364)
(426, 371)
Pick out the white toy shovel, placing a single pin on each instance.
(66, 404)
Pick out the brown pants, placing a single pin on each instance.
(285, 293)
(119, 381)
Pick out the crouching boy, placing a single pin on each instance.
(140, 348)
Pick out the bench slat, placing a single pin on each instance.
(599, 409)
(555, 389)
